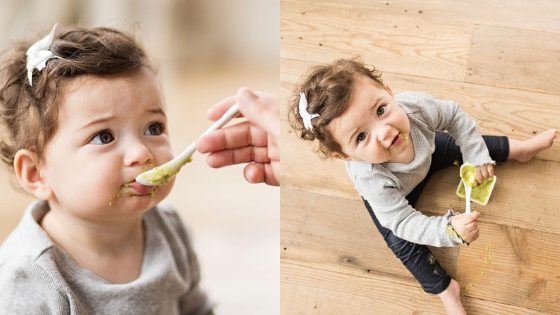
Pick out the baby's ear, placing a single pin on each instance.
(29, 175)
(344, 157)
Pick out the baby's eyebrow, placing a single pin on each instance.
(157, 111)
(98, 121)
(352, 134)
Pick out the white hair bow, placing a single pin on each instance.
(39, 53)
(304, 114)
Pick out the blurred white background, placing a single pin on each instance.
(206, 51)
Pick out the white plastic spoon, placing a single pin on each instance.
(468, 197)
(468, 173)
(164, 173)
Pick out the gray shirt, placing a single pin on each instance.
(385, 185)
(38, 277)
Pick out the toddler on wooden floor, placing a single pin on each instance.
(392, 145)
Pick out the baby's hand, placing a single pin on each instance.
(466, 226)
(484, 172)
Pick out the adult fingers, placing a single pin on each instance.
(237, 156)
(260, 173)
(266, 115)
(235, 136)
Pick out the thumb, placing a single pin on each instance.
(266, 116)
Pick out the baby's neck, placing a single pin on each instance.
(112, 251)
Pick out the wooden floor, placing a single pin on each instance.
(500, 60)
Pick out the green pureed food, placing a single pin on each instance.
(480, 193)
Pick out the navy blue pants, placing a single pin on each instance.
(418, 259)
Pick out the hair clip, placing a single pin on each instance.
(39, 53)
(304, 114)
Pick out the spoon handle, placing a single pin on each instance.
(468, 195)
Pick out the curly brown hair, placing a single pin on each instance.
(328, 90)
(28, 113)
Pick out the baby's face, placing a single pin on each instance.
(374, 128)
(110, 131)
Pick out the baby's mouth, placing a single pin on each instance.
(139, 188)
(135, 189)
(396, 141)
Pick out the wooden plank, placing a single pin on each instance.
(397, 42)
(302, 169)
(305, 289)
(523, 270)
(515, 58)
(308, 290)
(538, 14)
(339, 235)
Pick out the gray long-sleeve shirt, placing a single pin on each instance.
(385, 185)
(37, 277)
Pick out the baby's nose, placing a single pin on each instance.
(137, 153)
(384, 134)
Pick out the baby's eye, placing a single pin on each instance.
(361, 137)
(154, 129)
(104, 137)
(381, 110)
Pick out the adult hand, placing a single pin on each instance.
(254, 141)
(466, 226)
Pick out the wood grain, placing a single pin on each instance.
(309, 290)
(538, 14)
(515, 58)
(523, 270)
(323, 33)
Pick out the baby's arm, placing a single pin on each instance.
(395, 213)
(446, 115)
